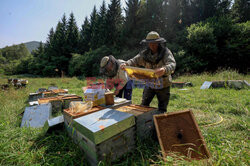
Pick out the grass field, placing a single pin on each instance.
(228, 142)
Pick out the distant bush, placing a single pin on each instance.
(88, 64)
(215, 43)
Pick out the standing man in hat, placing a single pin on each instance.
(159, 58)
(110, 67)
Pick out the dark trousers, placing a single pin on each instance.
(162, 95)
(127, 93)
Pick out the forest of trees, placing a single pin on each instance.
(204, 35)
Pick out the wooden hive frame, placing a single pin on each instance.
(179, 132)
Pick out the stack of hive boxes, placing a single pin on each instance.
(60, 102)
(105, 134)
(43, 108)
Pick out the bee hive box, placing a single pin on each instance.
(102, 125)
(144, 118)
(108, 150)
(69, 116)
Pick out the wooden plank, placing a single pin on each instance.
(179, 132)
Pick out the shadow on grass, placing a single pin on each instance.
(57, 149)
(146, 152)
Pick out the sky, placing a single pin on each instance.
(30, 20)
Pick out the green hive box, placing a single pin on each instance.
(143, 117)
(109, 150)
(104, 124)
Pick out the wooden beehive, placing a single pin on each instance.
(179, 132)
(68, 98)
(55, 102)
(35, 96)
(108, 150)
(69, 116)
(60, 91)
(119, 102)
(104, 124)
(48, 94)
(144, 118)
(218, 84)
(181, 84)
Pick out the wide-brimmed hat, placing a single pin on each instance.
(104, 61)
(153, 37)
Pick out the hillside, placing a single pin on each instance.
(32, 45)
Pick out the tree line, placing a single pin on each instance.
(203, 35)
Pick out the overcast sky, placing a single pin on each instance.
(30, 20)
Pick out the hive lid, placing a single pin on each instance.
(179, 132)
(36, 116)
(103, 124)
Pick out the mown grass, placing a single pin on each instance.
(228, 142)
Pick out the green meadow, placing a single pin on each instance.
(228, 141)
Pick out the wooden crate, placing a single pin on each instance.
(108, 150)
(144, 119)
(55, 102)
(179, 132)
(68, 118)
(104, 124)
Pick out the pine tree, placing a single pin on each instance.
(57, 54)
(131, 12)
(132, 29)
(85, 36)
(241, 10)
(94, 29)
(114, 23)
(72, 35)
(171, 19)
(101, 26)
(155, 21)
